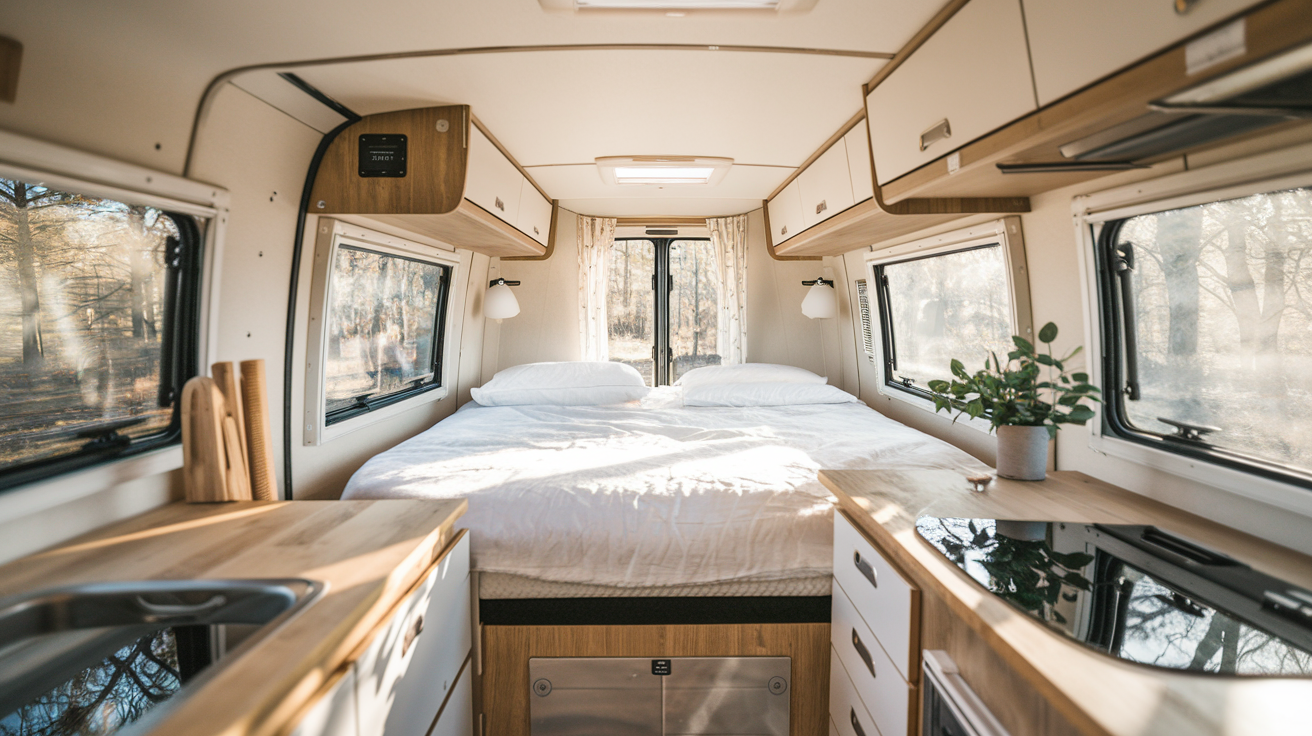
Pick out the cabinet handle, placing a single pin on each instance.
(865, 568)
(863, 652)
(535, 230)
(936, 132)
(1184, 6)
(411, 634)
(856, 725)
(501, 205)
(821, 207)
(783, 230)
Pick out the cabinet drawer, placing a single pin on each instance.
(407, 670)
(857, 141)
(785, 214)
(884, 600)
(876, 681)
(492, 182)
(534, 213)
(334, 713)
(847, 714)
(826, 186)
(1112, 35)
(457, 717)
(971, 77)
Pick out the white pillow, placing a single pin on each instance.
(747, 373)
(575, 396)
(572, 374)
(764, 394)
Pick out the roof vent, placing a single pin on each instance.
(663, 170)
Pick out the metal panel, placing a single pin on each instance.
(725, 696)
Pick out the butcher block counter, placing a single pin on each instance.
(368, 553)
(1035, 680)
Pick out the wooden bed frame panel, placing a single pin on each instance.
(507, 649)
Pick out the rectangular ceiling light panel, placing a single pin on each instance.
(663, 170)
(680, 6)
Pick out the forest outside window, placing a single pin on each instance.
(1207, 315)
(99, 311)
(663, 333)
(385, 325)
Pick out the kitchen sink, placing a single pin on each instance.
(92, 659)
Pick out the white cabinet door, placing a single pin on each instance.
(1074, 43)
(857, 141)
(846, 711)
(785, 214)
(334, 714)
(876, 681)
(492, 182)
(407, 670)
(971, 77)
(881, 597)
(826, 186)
(458, 715)
(534, 213)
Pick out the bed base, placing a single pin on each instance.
(506, 650)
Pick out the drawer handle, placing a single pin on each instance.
(936, 132)
(856, 725)
(863, 652)
(866, 570)
(502, 205)
(821, 207)
(783, 230)
(535, 230)
(411, 634)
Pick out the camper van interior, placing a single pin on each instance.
(656, 368)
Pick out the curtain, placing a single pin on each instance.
(596, 234)
(729, 238)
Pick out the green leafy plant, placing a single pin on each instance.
(1018, 393)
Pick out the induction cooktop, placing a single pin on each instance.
(1137, 593)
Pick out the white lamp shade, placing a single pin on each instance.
(500, 303)
(821, 302)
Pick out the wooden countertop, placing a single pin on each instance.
(1099, 695)
(370, 553)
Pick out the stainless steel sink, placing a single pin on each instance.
(54, 642)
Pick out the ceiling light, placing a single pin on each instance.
(663, 170)
(769, 6)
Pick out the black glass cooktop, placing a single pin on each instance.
(1137, 593)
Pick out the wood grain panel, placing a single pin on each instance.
(507, 650)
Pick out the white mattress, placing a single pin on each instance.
(648, 495)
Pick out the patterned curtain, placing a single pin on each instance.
(729, 237)
(596, 234)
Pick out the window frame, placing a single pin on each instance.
(1005, 233)
(200, 220)
(1109, 432)
(320, 427)
(662, 372)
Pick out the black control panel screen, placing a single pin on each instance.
(382, 155)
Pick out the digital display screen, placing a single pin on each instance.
(382, 155)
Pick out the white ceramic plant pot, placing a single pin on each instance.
(1023, 452)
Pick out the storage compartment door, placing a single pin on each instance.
(457, 717)
(971, 77)
(857, 141)
(785, 214)
(534, 213)
(826, 186)
(492, 183)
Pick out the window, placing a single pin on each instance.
(99, 313)
(385, 318)
(663, 333)
(1207, 331)
(934, 308)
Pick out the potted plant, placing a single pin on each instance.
(1023, 406)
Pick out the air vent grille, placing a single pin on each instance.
(867, 334)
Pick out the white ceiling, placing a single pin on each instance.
(125, 78)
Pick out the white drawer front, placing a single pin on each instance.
(858, 162)
(492, 182)
(534, 213)
(847, 714)
(826, 186)
(878, 683)
(406, 672)
(334, 714)
(973, 73)
(1113, 34)
(882, 598)
(458, 716)
(785, 214)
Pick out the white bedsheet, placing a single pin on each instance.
(650, 493)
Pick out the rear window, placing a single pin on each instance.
(98, 315)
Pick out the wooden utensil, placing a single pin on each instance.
(255, 397)
(205, 465)
(234, 431)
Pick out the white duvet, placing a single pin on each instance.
(650, 493)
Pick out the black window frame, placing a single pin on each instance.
(179, 362)
(662, 372)
(887, 338)
(1115, 381)
(417, 387)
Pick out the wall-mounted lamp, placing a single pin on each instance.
(500, 302)
(821, 300)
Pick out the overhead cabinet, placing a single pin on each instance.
(838, 179)
(452, 182)
(969, 78)
(785, 212)
(825, 186)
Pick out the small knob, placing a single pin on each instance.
(542, 688)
